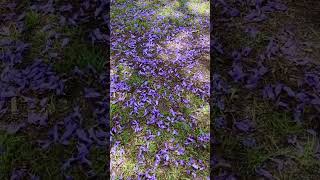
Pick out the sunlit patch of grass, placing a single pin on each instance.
(123, 164)
(125, 136)
(199, 7)
(115, 12)
(172, 173)
(124, 113)
(195, 100)
(136, 80)
(203, 116)
(115, 108)
(173, 15)
(120, 1)
(153, 147)
(170, 13)
(167, 11)
(124, 72)
(128, 168)
(186, 111)
(137, 25)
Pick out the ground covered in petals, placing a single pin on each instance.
(160, 89)
(53, 79)
(266, 89)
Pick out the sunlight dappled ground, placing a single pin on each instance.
(160, 102)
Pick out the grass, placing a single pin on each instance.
(81, 55)
(99, 164)
(136, 80)
(32, 20)
(174, 15)
(273, 129)
(38, 40)
(273, 126)
(137, 25)
(199, 7)
(20, 152)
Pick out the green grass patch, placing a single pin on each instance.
(138, 25)
(121, 1)
(198, 7)
(32, 19)
(136, 80)
(100, 160)
(81, 55)
(279, 124)
(125, 136)
(19, 152)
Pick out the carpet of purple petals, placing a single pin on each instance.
(159, 90)
(266, 90)
(48, 110)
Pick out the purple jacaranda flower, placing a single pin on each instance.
(83, 152)
(64, 42)
(220, 122)
(173, 113)
(181, 151)
(252, 31)
(234, 12)
(82, 135)
(189, 141)
(249, 142)
(34, 177)
(204, 137)
(91, 93)
(54, 133)
(268, 92)
(237, 73)
(244, 125)
(67, 164)
(15, 127)
(246, 51)
(66, 8)
(273, 5)
(37, 118)
(255, 16)
(264, 173)
(136, 126)
(18, 174)
(69, 130)
(93, 135)
(315, 101)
